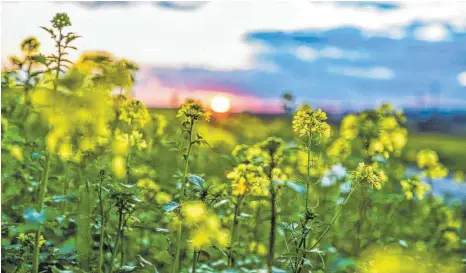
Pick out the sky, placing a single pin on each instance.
(335, 55)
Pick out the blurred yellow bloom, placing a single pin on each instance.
(163, 197)
(17, 153)
(194, 211)
(65, 151)
(119, 166)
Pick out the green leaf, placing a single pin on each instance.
(196, 180)
(170, 206)
(40, 59)
(62, 198)
(296, 187)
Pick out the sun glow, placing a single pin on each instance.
(220, 104)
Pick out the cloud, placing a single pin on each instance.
(212, 36)
(378, 72)
(462, 78)
(432, 32)
(323, 52)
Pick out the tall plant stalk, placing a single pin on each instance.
(102, 229)
(273, 219)
(234, 227)
(322, 235)
(175, 267)
(40, 206)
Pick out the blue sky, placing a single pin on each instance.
(340, 55)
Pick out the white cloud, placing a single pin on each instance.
(377, 72)
(211, 36)
(432, 32)
(306, 53)
(462, 78)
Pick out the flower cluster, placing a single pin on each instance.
(29, 239)
(428, 161)
(61, 20)
(307, 122)
(151, 191)
(134, 113)
(413, 186)
(208, 229)
(369, 174)
(379, 129)
(193, 111)
(78, 120)
(30, 44)
(339, 149)
(248, 178)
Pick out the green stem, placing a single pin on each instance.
(115, 248)
(233, 230)
(102, 230)
(335, 217)
(308, 177)
(273, 223)
(40, 205)
(195, 255)
(175, 267)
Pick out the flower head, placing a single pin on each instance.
(307, 122)
(368, 174)
(193, 111)
(413, 186)
(61, 20)
(30, 44)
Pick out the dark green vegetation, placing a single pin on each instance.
(92, 181)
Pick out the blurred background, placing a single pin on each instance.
(267, 59)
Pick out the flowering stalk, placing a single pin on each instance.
(191, 111)
(273, 223)
(40, 205)
(183, 186)
(335, 217)
(234, 228)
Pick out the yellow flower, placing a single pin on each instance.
(199, 239)
(65, 151)
(163, 197)
(192, 111)
(21, 237)
(427, 158)
(348, 128)
(369, 174)
(308, 122)
(194, 211)
(17, 153)
(119, 166)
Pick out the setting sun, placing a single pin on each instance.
(220, 104)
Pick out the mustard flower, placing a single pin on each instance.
(193, 111)
(368, 174)
(413, 186)
(308, 122)
(61, 20)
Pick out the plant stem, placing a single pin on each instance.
(195, 254)
(309, 145)
(175, 267)
(115, 248)
(102, 230)
(273, 223)
(233, 230)
(335, 217)
(40, 205)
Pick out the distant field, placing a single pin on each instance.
(451, 149)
